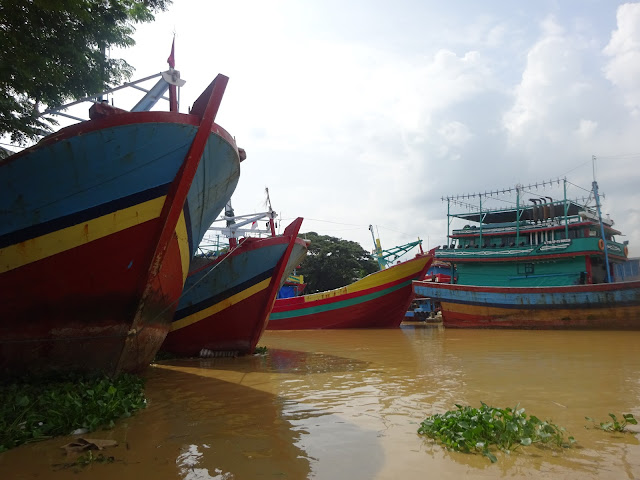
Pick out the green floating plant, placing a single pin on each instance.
(614, 425)
(41, 408)
(475, 430)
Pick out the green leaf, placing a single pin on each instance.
(491, 457)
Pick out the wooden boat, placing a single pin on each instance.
(601, 306)
(98, 223)
(226, 301)
(548, 265)
(378, 300)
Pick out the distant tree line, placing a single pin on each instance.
(53, 51)
(332, 262)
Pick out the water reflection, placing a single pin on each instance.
(311, 390)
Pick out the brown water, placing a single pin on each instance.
(346, 405)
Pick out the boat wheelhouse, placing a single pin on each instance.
(544, 242)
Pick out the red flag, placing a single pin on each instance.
(171, 60)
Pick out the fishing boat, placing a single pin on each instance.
(98, 224)
(547, 264)
(379, 300)
(227, 299)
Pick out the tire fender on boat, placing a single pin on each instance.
(601, 244)
(626, 251)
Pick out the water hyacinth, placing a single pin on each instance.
(41, 408)
(616, 425)
(475, 430)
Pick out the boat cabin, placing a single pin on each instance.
(543, 243)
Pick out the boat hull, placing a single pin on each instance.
(97, 224)
(614, 306)
(379, 300)
(226, 302)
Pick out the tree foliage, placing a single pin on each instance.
(332, 262)
(53, 51)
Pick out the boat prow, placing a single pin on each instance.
(98, 224)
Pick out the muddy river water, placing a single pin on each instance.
(331, 404)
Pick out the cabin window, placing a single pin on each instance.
(525, 268)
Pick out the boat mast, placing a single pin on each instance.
(604, 240)
(480, 218)
(378, 248)
(566, 210)
(271, 214)
(518, 188)
(173, 97)
(448, 218)
(229, 214)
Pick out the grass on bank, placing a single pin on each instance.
(472, 430)
(42, 408)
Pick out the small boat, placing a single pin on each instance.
(293, 286)
(379, 300)
(550, 265)
(98, 224)
(226, 302)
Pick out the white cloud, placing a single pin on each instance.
(455, 133)
(623, 70)
(553, 87)
(586, 128)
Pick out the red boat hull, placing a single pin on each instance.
(226, 303)
(379, 300)
(79, 312)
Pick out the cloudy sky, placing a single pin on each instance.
(368, 112)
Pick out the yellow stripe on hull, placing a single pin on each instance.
(39, 248)
(218, 307)
(376, 279)
(183, 245)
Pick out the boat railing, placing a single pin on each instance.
(580, 246)
(493, 228)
